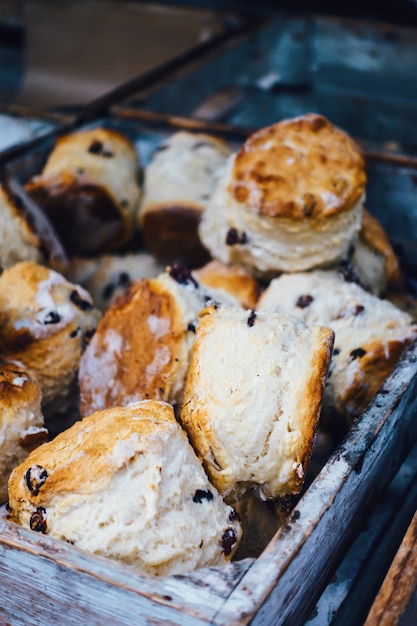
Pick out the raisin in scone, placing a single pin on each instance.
(143, 344)
(178, 184)
(45, 322)
(253, 397)
(89, 189)
(370, 333)
(220, 279)
(108, 276)
(290, 199)
(21, 419)
(126, 484)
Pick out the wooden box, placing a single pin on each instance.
(46, 581)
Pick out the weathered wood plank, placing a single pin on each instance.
(286, 580)
(347, 598)
(396, 603)
(59, 579)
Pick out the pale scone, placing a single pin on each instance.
(253, 397)
(18, 240)
(142, 346)
(126, 484)
(373, 258)
(290, 199)
(222, 280)
(178, 184)
(108, 276)
(89, 189)
(21, 419)
(370, 333)
(45, 322)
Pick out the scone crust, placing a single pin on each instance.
(375, 236)
(89, 189)
(299, 168)
(231, 278)
(126, 484)
(141, 348)
(45, 322)
(200, 415)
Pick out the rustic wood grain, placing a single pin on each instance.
(396, 602)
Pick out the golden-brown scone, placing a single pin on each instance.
(21, 419)
(370, 333)
(126, 484)
(18, 240)
(289, 200)
(45, 322)
(89, 189)
(232, 279)
(253, 397)
(108, 276)
(373, 258)
(142, 346)
(178, 184)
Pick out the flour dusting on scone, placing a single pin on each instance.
(253, 397)
(126, 484)
(142, 346)
(21, 419)
(45, 323)
(370, 333)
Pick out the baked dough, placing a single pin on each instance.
(370, 333)
(290, 199)
(108, 276)
(143, 344)
(178, 184)
(253, 397)
(89, 189)
(223, 280)
(45, 323)
(126, 484)
(21, 419)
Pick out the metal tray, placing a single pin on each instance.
(49, 581)
(361, 75)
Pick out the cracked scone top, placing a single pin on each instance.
(290, 199)
(126, 484)
(252, 399)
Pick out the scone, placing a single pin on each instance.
(370, 333)
(18, 240)
(253, 397)
(142, 346)
(373, 258)
(89, 189)
(290, 199)
(221, 279)
(45, 323)
(178, 185)
(126, 484)
(108, 276)
(21, 419)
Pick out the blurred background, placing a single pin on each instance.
(69, 52)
